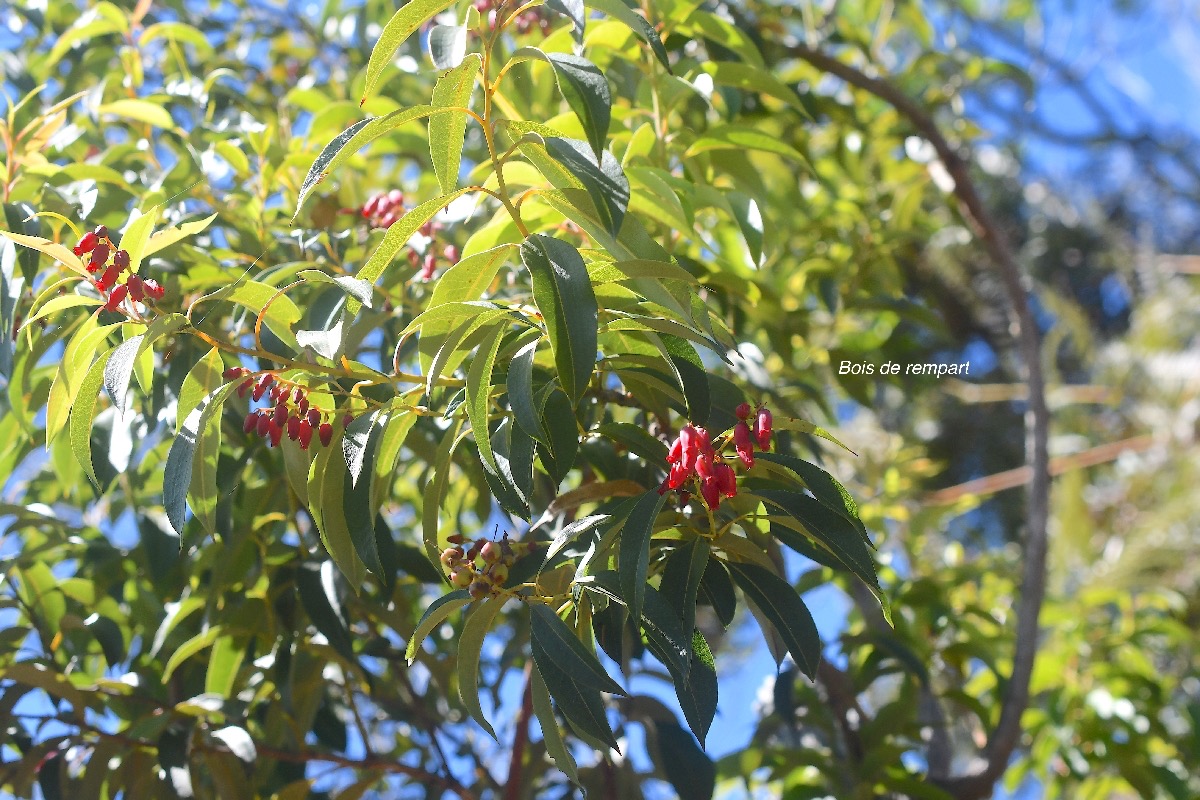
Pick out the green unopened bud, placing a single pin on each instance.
(480, 589)
(461, 577)
(498, 572)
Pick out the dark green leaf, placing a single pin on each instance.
(435, 615)
(317, 585)
(785, 610)
(636, 439)
(826, 488)
(551, 636)
(681, 579)
(520, 393)
(564, 296)
(177, 475)
(692, 377)
(687, 767)
(604, 180)
(637, 23)
(634, 558)
(716, 590)
(828, 527)
(586, 91)
(580, 703)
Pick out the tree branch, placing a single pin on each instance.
(1003, 740)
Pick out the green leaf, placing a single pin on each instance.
(447, 132)
(190, 648)
(558, 420)
(411, 16)
(740, 137)
(689, 770)
(317, 587)
(551, 735)
(634, 558)
(637, 23)
(581, 704)
(563, 294)
(201, 380)
(826, 488)
(692, 376)
(603, 179)
(326, 491)
(119, 369)
(359, 446)
(469, 278)
(358, 289)
(749, 220)
(829, 528)
(479, 390)
(435, 615)
(551, 636)
(785, 610)
(108, 634)
(572, 531)
(396, 237)
(447, 45)
(223, 664)
(280, 315)
(586, 91)
(179, 470)
(139, 111)
(681, 579)
(470, 645)
(137, 236)
(698, 697)
(350, 141)
(636, 439)
(83, 414)
(520, 393)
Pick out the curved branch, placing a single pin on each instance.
(1003, 740)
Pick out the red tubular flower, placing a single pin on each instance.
(762, 429)
(244, 387)
(451, 254)
(705, 466)
(136, 288)
(428, 267)
(232, 372)
(251, 422)
(326, 433)
(304, 434)
(302, 406)
(121, 259)
(116, 298)
(263, 425)
(87, 243)
(726, 480)
(99, 255)
(676, 453)
(743, 411)
(677, 476)
(108, 279)
(293, 428)
(711, 493)
(314, 417)
(690, 445)
(101, 231)
(743, 441)
(371, 207)
(346, 420)
(281, 414)
(153, 290)
(276, 433)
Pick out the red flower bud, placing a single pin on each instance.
(677, 476)
(326, 433)
(428, 268)
(676, 453)
(726, 480)
(743, 411)
(451, 254)
(245, 387)
(302, 406)
(251, 421)
(153, 290)
(281, 414)
(121, 259)
(276, 433)
(711, 493)
(99, 255)
(87, 243)
(293, 428)
(743, 440)
(101, 231)
(304, 434)
(762, 429)
(314, 417)
(108, 279)
(136, 290)
(371, 207)
(346, 420)
(704, 466)
(263, 426)
(116, 298)
(232, 372)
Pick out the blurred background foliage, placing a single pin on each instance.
(222, 106)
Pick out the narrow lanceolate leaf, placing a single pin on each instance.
(520, 393)
(479, 390)
(787, 613)
(551, 735)
(563, 294)
(580, 703)
(688, 769)
(350, 141)
(435, 615)
(83, 413)
(572, 531)
(555, 639)
(359, 447)
(637, 23)
(635, 550)
(177, 476)
(411, 16)
(202, 379)
(470, 278)
(693, 378)
(470, 645)
(831, 529)
(698, 697)
(447, 45)
(586, 91)
(317, 586)
(327, 478)
(447, 132)
(826, 488)
(603, 179)
(119, 370)
(396, 237)
(681, 579)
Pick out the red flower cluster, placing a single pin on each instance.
(525, 22)
(429, 263)
(135, 288)
(300, 423)
(384, 209)
(693, 456)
